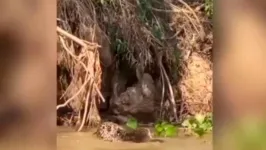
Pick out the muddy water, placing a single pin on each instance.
(70, 140)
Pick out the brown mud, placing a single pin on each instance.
(67, 139)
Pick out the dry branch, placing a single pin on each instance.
(164, 77)
(86, 45)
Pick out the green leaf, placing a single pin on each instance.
(164, 123)
(199, 131)
(171, 131)
(157, 125)
(200, 118)
(185, 123)
(166, 126)
(194, 125)
(192, 121)
(209, 124)
(199, 124)
(204, 127)
(159, 129)
(208, 118)
(165, 129)
(132, 123)
(162, 134)
(158, 133)
(210, 129)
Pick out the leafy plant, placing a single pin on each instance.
(132, 123)
(147, 16)
(121, 46)
(209, 7)
(199, 124)
(145, 9)
(165, 129)
(157, 31)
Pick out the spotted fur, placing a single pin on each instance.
(112, 132)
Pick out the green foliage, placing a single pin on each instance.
(145, 9)
(165, 129)
(199, 124)
(132, 123)
(121, 46)
(157, 31)
(162, 129)
(209, 7)
(147, 16)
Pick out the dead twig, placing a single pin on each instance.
(165, 76)
(189, 8)
(82, 43)
(85, 110)
(159, 62)
(185, 12)
(172, 98)
(73, 97)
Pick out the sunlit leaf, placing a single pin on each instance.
(164, 123)
(185, 123)
(132, 123)
(159, 129)
(200, 118)
(170, 132)
(166, 126)
(199, 131)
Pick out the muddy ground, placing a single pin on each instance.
(67, 139)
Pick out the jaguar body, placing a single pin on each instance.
(112, 132)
